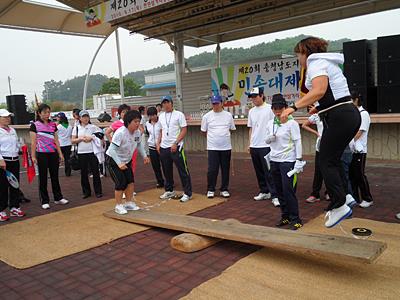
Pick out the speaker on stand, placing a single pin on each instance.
(17, 105)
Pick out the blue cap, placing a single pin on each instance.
(256, 91)
(216, 99)
(61, 115)
(166, 98)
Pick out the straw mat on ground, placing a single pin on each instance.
(273, 274)
(55, 235)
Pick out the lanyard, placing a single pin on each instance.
(168, 121)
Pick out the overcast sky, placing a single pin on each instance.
(30, 58)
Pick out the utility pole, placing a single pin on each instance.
(9, 84)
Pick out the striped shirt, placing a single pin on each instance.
(44, 136)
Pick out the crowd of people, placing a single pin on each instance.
(158, 133)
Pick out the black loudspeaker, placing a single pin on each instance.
(104, 117)
(17, 105)
(388, 99)
(358, 63)
(389, 72)
(389, 48)
(368, 97)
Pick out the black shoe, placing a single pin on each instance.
(99, 195)
(282, 222)
(86, 196)
(295, 225)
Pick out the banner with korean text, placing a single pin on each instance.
(115, 9)
(275, 76)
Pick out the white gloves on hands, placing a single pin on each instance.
(270, 139)
(298, 168)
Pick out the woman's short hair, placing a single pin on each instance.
(123, 107)
(356, 97)
(311, 45)
(130, 116)
(151, 111)
(41, 108)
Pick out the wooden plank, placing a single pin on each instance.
(365, 251)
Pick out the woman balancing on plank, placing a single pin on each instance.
(328, 87)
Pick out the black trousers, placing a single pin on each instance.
(89, 162)
(48, 161)
(9, 196)
(286, 190)
(340, 126)
(179, 159)
(263, 175)
(218, 160)
(318, 179)
(359, 181)
(156, 165)
(66, 151)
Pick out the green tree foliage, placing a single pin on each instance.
(3, 105)
(131, 88)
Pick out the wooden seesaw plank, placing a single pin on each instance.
(365, 251)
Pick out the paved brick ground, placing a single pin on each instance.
(144, 266)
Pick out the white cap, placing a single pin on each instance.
(5, 113)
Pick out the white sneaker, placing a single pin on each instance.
(134, 193)
(365, 204)
(210, 194)
(131, 206)
(120, 209)
(185, 198)
(62, 201)
(336, 215)
(262, 196)
(167, 195)
(225, 194)
(275, 202)
(46, 206)
(398, 216)
(350, 202)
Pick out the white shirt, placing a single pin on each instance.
(127, 143)
(171, 124)
(327, 64)
(87, 130)
(154, 131)
(258, 118)
(218, 126)
(9, 145)
(283, 148)
(64, 135)
(314, 119)
(364, 127)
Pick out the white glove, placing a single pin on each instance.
(317, 144)
(268, 160)
(270, 139)
(358, 146)
(352, 146)
(298, 168)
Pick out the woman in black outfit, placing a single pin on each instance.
(328, 87)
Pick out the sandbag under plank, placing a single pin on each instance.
(364, 251)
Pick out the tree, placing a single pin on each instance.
(131, 88)
(3, 105)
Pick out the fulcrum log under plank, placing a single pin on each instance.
(364, 251)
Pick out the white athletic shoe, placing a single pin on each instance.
(225, 194)
(131, 206)
(134, 193)
(120, 209)
(398, 216)
(275, 202)
(336, 215)
(62, 201)
(210, 194)
(262, 196)
(185, 198)
(167, 195)
(46, 206)
(350, 202)
(365, 204)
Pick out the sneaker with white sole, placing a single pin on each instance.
(3, 216)
(185, 198)
(167, 195)
(336, 215)
(365, 204)
(210, 194)
(398, 216)
(120, 209)
(312, 199)
(46, 206)
(275, 202)
(62, 201)
(225, 194)
(134, 193)
(350, 201)
(131, 206)
(262, 196)
(16, 212)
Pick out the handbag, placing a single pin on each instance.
(74, 160)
